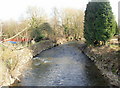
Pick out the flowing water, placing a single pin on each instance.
(64, 65)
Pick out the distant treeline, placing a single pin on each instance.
(66, 23)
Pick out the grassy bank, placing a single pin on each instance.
(107, 60)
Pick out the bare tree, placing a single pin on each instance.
(36, 16)
(72, 21)
(56, 26)
(10, 28)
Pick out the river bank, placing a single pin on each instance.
(107, 60)
(14, 58)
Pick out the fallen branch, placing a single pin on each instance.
(12, 48)
(17, 34)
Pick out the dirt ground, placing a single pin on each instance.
(107, 60)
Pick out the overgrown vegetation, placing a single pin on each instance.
(12, 60)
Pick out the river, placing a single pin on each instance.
(64, 65)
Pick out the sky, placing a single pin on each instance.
(16, 9)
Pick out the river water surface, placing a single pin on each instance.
(64, 65)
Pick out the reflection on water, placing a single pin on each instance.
(62, 66)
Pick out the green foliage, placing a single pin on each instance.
(40, 32)
(99, 25)
(117, 31)
(36, 34)
(45, 26)
(46, 30)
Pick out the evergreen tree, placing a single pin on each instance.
(99, 22)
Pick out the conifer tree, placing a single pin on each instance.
(99, 22)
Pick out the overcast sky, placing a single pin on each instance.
(16, 9)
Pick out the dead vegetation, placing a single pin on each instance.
(11, 62)
(107, 60)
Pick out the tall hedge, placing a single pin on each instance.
(99, 22)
